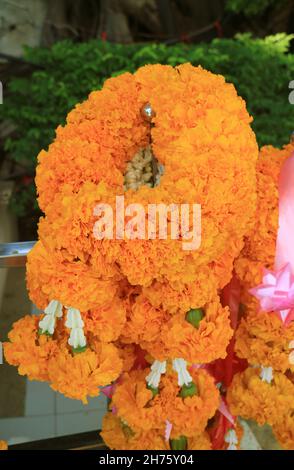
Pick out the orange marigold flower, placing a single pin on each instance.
(200, 442)
(262, 338)
(28, 350)
(199, 345)
(72, 283)
(137, 407)
(80, 375)
(164, 335)
(106, 322)
(118, 435)
(284, 431)
(144, 323)
(252, 398)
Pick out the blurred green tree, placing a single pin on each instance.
(261, 70)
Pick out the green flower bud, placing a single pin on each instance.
(154, 390)
(41, 332)
(189, 390)
(79, 349)
(179, 444)
(194, 316)
(128, 432)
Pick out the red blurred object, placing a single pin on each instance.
(218, 431)
(218, 28)
(140, 361)
(103, 36)
(26, 180)
(185, 38)
(223, 370)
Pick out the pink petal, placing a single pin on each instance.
(284, 278)
(108, 390)
(168, 430)
(225, 411)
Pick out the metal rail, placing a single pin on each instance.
(13, 255)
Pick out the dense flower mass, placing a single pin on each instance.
(118, 435)
(263, 339)
(211, 131)
(251, 396)
(81, 375)
(265, 394)
(165, 335)
(284, 431)
(134, 403)
(29, 351)
(143, 318)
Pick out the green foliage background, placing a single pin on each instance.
(261, 70)
(253, 8)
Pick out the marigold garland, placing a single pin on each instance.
(116, 311)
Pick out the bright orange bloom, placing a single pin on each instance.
(136, 406)
(120, 436)
(28, 350)
(262, 338)
(284, 431)
(164, 335)
(252, 398)
(80, 375)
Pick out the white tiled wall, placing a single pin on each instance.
(49, 414)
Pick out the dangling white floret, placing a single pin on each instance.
(231, 439)
(74, 321)
(52, 311)
(266, 374)
(180, 366)
(157, 369)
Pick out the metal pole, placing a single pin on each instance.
(13, 255)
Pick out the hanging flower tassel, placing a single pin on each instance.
(153, 378)
(185, 381)
(231, 439)
(52, 311)
(266, 374)
(77, 339)
(180, 367)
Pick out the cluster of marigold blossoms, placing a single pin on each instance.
(142, 320)
(265, 390)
